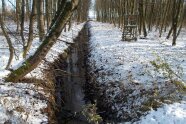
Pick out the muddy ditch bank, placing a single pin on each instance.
(68, 77)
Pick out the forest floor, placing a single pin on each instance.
(24, 102)
(143, 81)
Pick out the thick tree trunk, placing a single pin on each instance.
(32, 62)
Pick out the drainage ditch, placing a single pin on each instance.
(70, 78)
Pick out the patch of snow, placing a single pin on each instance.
(21, 103)
(168, 114)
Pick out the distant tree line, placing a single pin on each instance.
(163, 15)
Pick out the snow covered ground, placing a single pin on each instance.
(23, 103)
(127, 72)
(136, 75)
(168, 114)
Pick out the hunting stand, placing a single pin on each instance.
(130, 27)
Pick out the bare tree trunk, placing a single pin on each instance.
(30, 36)
(164, 18)
(22, 22)
(181, 20)
(27, 10)
(3, 10)
(176, 14)
(47, 13)
(49, 40)
(11, 48)
(170, 32)
(40, 19)
(18, 14)
(142, 17)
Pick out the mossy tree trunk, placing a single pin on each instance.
(56, 28)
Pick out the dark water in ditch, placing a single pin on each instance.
(73, 82)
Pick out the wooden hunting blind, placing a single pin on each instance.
(130, 27)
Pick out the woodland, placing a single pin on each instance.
(92, 61)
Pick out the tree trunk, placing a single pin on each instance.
(3, 10)
(11, 48)
(142, 17)
(27, 10)
(22, 22)
(176, 14)
(32, 62)
(47, 13)
(18, 14)
(30, 36)
(40, 19)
